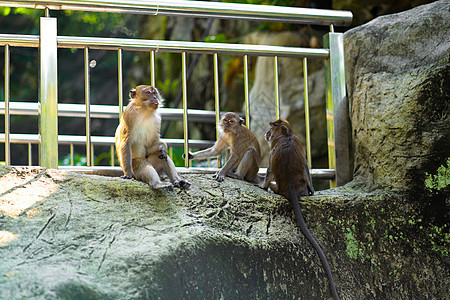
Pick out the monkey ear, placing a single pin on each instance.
(132, 93)
(241, 121)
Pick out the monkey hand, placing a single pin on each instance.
(182, 184)
(163, 154)
(127, 177)
(190, 156)
(219, 176)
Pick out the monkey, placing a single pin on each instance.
(245, 153)
(142, 154)
(289, 168)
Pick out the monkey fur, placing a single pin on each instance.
(289, 168)
(142, 154)
(245, 152)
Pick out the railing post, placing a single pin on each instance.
(185, 109)
(246, 99)
(337, 109)
(87, 100)
(7, 113)
(48, 94)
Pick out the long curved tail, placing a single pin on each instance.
(302, 224)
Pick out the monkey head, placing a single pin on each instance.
(146, 95)
(230, 122)
(277, 129)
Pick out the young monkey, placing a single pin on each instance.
(245, 153)
(289, 168)
(142, 154)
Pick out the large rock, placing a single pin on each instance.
(398, 79)
(74, 236)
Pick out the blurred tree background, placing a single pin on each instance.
(136, 65)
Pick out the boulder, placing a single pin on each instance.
(398, 81)
(66, 235)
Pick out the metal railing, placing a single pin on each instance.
(48, 42)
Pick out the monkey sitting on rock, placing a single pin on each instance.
(142, 154)
(245, 153)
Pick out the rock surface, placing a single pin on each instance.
(398, 81)
(73, 236)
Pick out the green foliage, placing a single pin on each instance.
(435, 183)
(219, 38)
(177, 157)
(352, 249)
(168, 87)
(4, 11)
(440, 239)
(78, 160)
(101, 159)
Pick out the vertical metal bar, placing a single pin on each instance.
(277, 91)
(152, 68)
(7, 113)
(247, 104)
(171, 152)
(331, 28)
(30, 157)
(92, 155)
(88, 106)
(337, 109)
(120, 81)
(185, 109)
(71, 155)
(216, 99)
(112, 155)
(307, 129)
(48, 94)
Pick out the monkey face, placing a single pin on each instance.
(278, 128)
(230, 122)
(147, 95)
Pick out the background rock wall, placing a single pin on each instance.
(398, 81)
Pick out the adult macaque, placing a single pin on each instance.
(289, 168)
(142, 155)
(245, 153)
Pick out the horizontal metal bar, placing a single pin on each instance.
(166, 46)
(319, 174)
(21, 138)
(106, 111)
(204, 9)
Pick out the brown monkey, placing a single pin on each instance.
(288, 167)
(141, 153)
(245, 153)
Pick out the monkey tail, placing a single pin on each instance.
(302, 224)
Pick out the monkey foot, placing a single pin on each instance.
(165, 185)
(182, 184)
(219, 178)
(127, 177)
